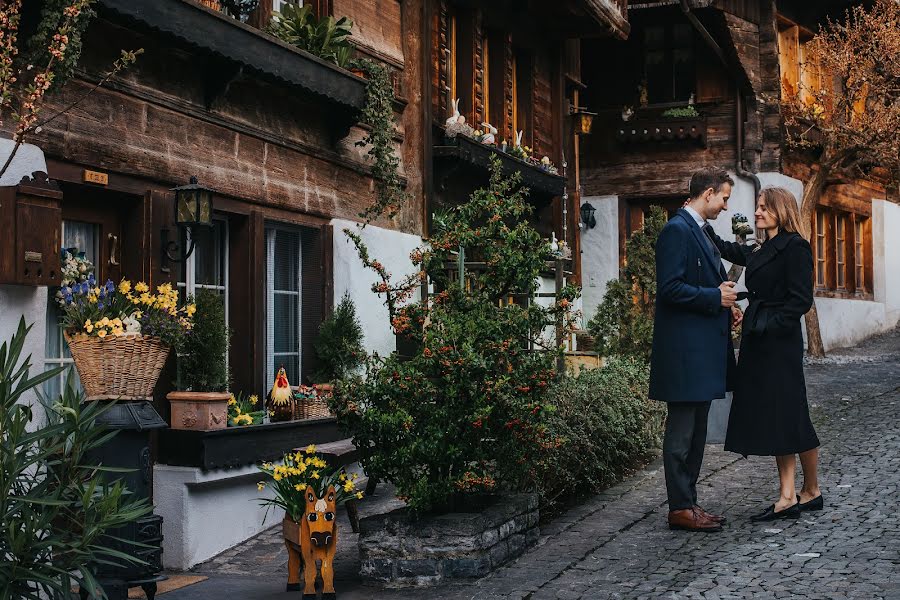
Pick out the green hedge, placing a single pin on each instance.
(607, 427)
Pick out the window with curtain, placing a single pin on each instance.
(670, 67)
(841, 250)
(85, 237)
(283, 303)
(278, 5)
(207, 266)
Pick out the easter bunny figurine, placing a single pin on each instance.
(454, 118)
(490, 136)
(519, 135)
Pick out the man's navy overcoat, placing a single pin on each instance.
(692, 352)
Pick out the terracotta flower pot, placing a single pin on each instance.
(199, 411)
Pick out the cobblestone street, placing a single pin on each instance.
(617, 545)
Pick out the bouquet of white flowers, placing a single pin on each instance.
(75, 269)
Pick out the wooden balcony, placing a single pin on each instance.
(461, 155)
(239, 48)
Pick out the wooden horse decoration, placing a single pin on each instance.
(317, 544)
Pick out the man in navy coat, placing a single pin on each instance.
(692, 351)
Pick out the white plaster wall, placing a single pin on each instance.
(28, 159)
(206, 513)
(844, 322)
(886, 259)
(599, 252)
(17, 301)
(392, 249)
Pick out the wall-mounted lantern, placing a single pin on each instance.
(583, 120)
(587, 215)
(193, 210)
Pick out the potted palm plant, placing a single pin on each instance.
(201, 402)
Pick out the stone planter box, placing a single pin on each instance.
(399, 551)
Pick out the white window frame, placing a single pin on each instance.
(277, 5)
(271, 292)
(190, 285)
(51, 362)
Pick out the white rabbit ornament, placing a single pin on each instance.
(490, 134)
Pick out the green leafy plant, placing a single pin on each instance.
(379, 116)
(245, 410)
(299, 470)
(339, 346)
(680, 112)
(606, 426)
(328, 38)
(57, 506)
(467, 412)
(623, 323)
(202, 359)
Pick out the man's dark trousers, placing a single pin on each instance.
(683, 451)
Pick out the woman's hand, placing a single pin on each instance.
(737, 316)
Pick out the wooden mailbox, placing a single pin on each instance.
(30, 222)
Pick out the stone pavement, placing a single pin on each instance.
(616, 545)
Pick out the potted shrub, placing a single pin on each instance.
(308, 490)
(339, 346)
(201, 402)
(120, 336)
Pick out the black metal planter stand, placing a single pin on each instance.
(130, 449)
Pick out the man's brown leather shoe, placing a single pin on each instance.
(710, 516)
(689, 519)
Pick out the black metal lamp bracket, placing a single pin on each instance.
(172, 250)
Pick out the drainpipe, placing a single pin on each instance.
(739, 99)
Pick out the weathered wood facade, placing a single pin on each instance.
(697, 83)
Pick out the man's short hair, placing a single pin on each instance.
(709, 177)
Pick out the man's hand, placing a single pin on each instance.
(729, 296)
(737, 316)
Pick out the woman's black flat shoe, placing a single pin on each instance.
(769, 514)
(816, 503)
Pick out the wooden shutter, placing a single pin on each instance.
(312, 296)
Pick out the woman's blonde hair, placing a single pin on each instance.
(783, 204)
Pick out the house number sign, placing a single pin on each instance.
(96, 177)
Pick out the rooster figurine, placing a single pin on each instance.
(282, 399)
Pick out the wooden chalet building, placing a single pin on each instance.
(272, 130)
(697, 83)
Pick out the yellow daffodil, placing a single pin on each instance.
(277, 476)
(359, 495)
(298, 487)
(190, 309)
(301, 467)
(254, 399)
(232, 402)
(311, 449)
(124, 286)
(260, 486)
(238, 409)
(315, 475)
(348, 486)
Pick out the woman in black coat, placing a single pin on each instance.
(769, 411)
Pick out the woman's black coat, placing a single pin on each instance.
(769, 412)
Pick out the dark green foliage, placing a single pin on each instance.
(623, 323)
(202, 360)
(56, 506)
(467, 412)
(339, 346)
(606, 426)
(379, 115)
(328, 38)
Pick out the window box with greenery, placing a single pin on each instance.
(202, 400)
(674, 124)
